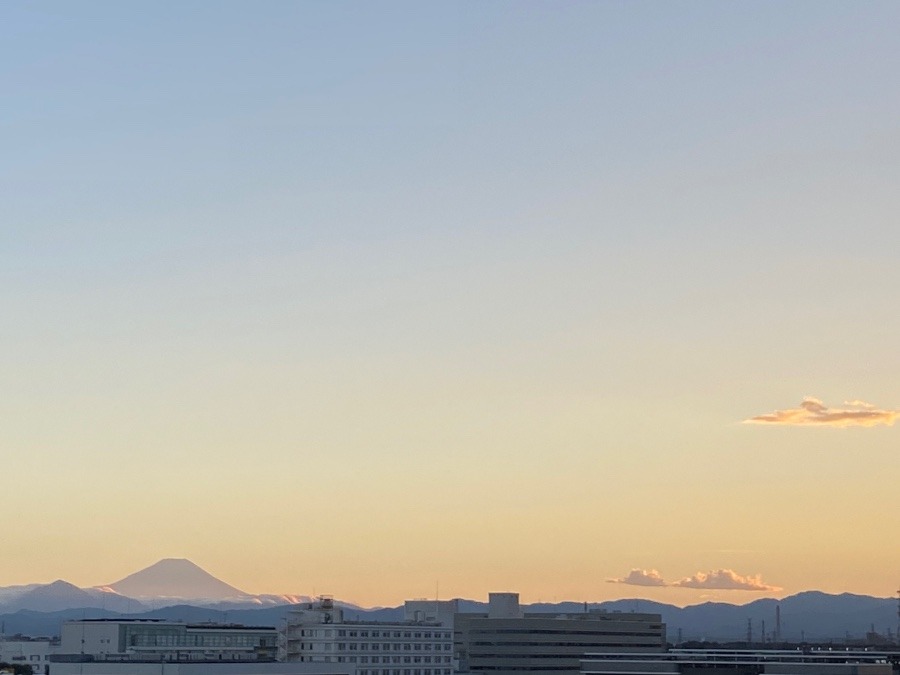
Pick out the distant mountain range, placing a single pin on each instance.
(172, 581)
(177, 589)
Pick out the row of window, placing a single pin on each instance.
(394, 659)
(406, 647)
(406, 671)
(424, 635)
(541, 645)
(374, 647)
(199, 640)
(563, 630)
(344, 632)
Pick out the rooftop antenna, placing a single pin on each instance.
(777, 623)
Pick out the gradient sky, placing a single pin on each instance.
(362, 298)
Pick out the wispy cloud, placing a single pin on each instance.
(725, 580)
(639, 577)
(720, 580)
(813, 412)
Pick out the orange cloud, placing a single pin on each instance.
(639, 577)
(720, 580)
(725, 580)
(812, 412)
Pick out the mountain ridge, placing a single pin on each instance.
(829, 619)
(178, 589)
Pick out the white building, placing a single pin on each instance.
(35, 653)
(224, 668)
(318, 633)
(158, 640)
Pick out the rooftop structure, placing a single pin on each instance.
(224, 668)
(508, 640)
(156, 640)
(317, 633)
(739, 662)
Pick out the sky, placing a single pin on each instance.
(583, 300)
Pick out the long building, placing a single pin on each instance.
(159, 640)
(34, 652)
(221, 668)
(507, 640)
(318, 633)
(740, 662)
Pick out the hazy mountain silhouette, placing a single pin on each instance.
(813, 615)
(175, 578)
(177, 589)
(61, 595)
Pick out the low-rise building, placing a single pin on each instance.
(179, 668)
(159, 640)
(318, 633)
(35, 652)
(739, 662)
(507, 640)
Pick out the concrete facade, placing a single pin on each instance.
(35, 653)
(148, 639)
(739, 662)
(507, 640)
(318, 633)
(174, 668)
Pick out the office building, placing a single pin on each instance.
(158, 640)
(32, 652)
(740, 662)
(507, 640)
(318, 633)
(182, 668)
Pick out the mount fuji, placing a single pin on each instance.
(179, 581)
(172, 581)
